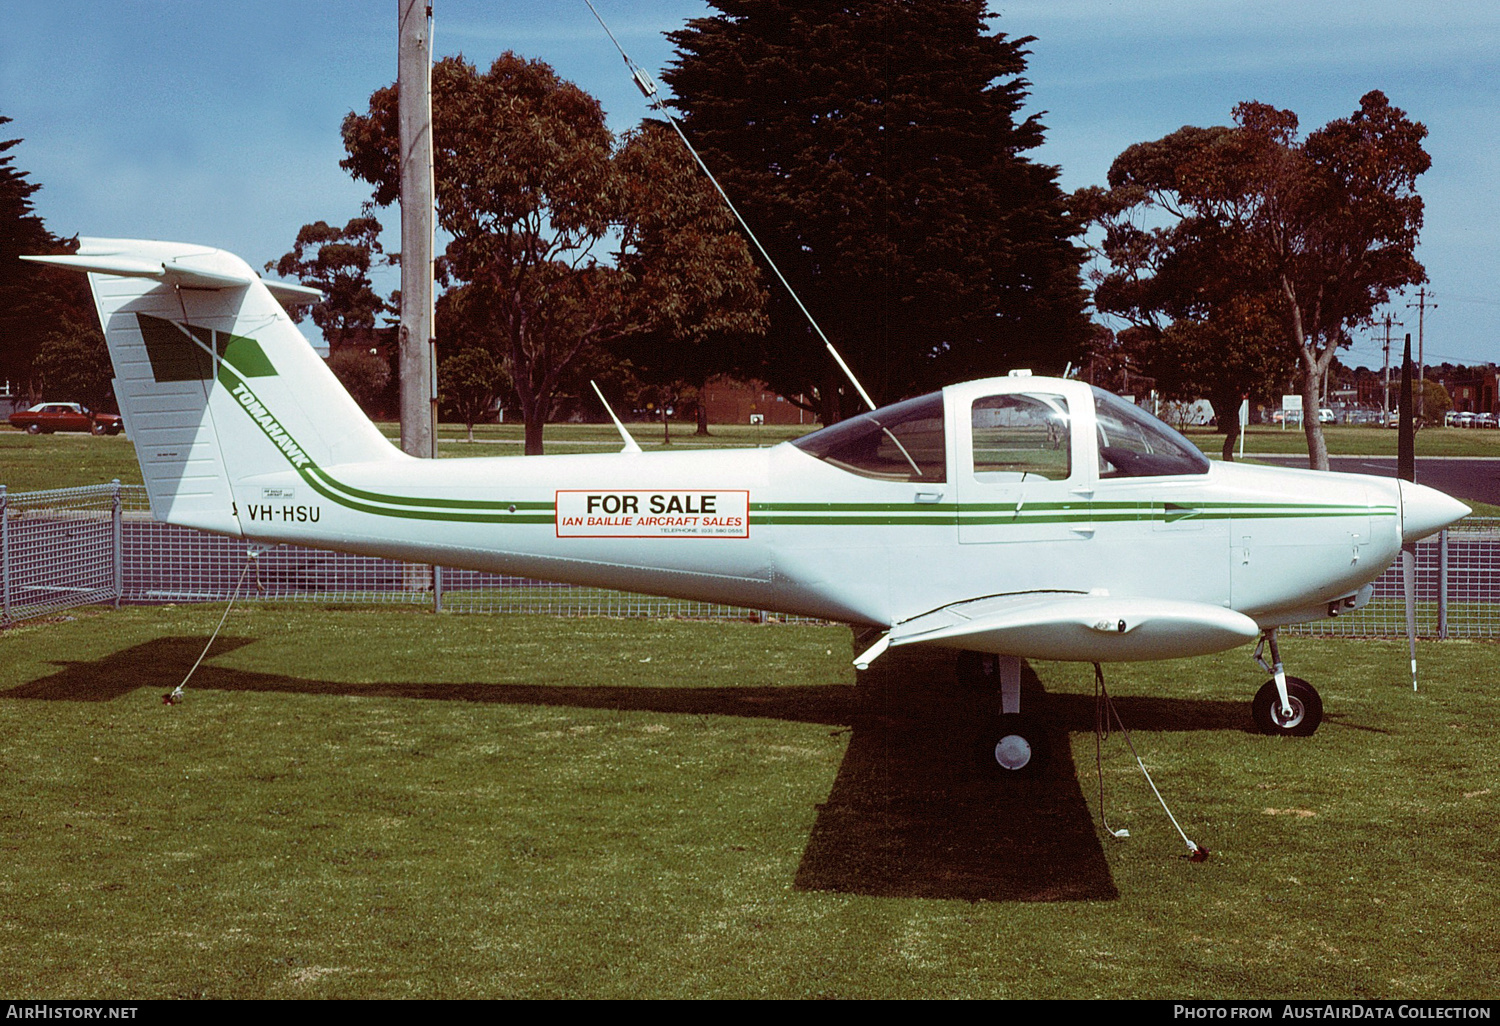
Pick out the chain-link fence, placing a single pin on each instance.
(79, 546)
(1458, 590)
(59, 549)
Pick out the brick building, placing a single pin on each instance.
(731, 401)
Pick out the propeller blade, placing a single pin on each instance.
(1409, 589)
(1406, 470)
(1406, 443)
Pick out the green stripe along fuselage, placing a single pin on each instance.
(823, 514)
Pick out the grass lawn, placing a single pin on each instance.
(376, 803)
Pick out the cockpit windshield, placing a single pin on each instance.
(1132, 443)
(902, 442)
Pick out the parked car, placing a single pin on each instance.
(45, 418)
(1326, 416)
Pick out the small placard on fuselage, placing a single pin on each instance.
(632, 513)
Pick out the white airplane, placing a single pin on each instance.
(1008, 518)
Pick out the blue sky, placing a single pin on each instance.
(217, 123)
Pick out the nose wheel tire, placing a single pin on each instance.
(1013, 749)
(1307, 709)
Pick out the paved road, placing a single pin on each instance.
(1461, 477)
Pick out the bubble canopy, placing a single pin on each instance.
(905, 442)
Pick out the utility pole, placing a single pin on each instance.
(1421, 304)
(414, 110)
(1385, 395)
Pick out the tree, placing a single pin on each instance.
(530, 190)
(39, 305)
(363, 374)
(72, 361)
(1234, 354)
(1202, 323)
(469, 382)
(682, 246)
(1269, 249)
(1435, 401)
(1336, 221)
(337, 261)
(877, 148)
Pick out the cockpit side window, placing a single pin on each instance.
(1132, 443)
(1018, 435)
(902, 442)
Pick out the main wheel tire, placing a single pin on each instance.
(1307, 709)
(978, 669)
(33, 429)
(1014, 749)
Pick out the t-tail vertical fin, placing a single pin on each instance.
(214, 381)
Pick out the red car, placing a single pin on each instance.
(50, 417)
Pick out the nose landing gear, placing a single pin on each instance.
(1286, 706)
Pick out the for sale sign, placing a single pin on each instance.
(631, 513)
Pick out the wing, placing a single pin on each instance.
(1074, 626)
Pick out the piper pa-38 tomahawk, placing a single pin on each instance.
(1008, 518)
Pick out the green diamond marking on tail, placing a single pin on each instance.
(180, 352)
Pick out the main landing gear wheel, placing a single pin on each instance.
(1307, 709)
(978, 669)
(1014, 749)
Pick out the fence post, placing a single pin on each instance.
(4, 557)
(437, 589)
(117, 517)
(1442, 626)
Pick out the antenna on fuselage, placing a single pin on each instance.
(631, 445)
(648, 89)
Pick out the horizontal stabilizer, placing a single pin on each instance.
(1078, 627)
(183, 271)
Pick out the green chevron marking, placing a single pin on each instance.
(182, 352)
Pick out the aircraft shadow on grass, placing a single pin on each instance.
(907, 816)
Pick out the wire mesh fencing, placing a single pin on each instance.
(1458, 590)
(81, 546)
(59, 549)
